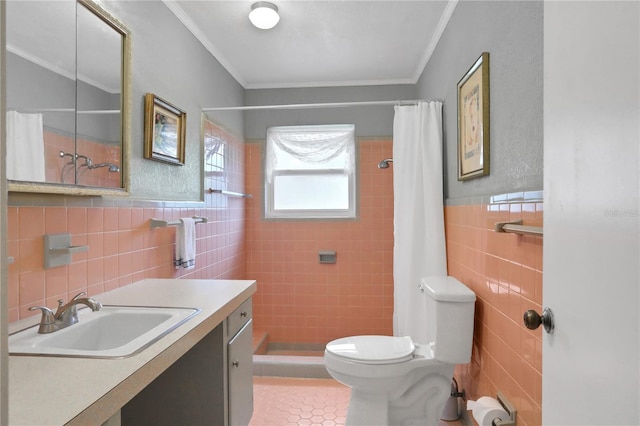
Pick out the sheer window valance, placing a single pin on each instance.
(310, 147)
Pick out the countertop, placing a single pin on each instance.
(81, 391)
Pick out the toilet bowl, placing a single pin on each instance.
(396, 381)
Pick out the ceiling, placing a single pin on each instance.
(319, 43)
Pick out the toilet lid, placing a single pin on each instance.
(373, 349)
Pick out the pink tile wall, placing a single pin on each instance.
(122, 247)
(53, 144)
(505, 272)
(298, 299)
(57, 170)
(99, 153)
(301, 301)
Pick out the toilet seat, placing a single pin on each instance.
(373, 349)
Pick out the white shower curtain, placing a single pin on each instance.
(419, 242)
(25, 147)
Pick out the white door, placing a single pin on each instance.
(591, 185)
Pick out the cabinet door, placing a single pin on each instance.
(241, 376)
(189, 392)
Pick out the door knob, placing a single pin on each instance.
(532, 320)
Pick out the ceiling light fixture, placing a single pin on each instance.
(264, 15)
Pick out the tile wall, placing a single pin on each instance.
(99, 153)
(60, 170)
(122, 247)
(300, 300)
(505, 272)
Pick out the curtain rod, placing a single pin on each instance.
(35, 111)
(318, 105)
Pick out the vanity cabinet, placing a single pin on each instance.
(211, 384)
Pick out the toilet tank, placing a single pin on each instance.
(450, 308)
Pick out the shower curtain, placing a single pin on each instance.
(419, 242)
(25, 147)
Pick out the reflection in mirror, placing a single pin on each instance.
(215, 174)
(40, 73)
(99, 86)
(65, 94)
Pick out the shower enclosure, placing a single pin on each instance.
(302, 304)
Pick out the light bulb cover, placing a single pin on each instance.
(264, 15)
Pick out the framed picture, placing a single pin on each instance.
(473, 121)
(164, 130)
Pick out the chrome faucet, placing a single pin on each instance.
(65, 315)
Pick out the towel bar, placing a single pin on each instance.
(516, 227)
(230, 193)
(157, 223)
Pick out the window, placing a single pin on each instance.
(310, 172)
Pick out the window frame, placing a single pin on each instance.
(270, 213)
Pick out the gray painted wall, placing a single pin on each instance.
(32, 87)
(173, 65)
(57, 91)
(105, 128)
(168, 60)
(370, 121)
(512, 34)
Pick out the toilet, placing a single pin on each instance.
(397, 381)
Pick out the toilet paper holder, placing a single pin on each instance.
(509, 408)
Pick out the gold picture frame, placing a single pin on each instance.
(473, 120)
(164, 131)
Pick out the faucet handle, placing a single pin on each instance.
(71, 310)
(61, 301)
(47, 314)
(48, 320)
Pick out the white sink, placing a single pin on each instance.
(111, 332)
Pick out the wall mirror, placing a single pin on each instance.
(67, 79)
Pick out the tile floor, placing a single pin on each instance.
(297, 401)
(284, 401)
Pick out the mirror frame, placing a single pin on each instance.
(125, 108)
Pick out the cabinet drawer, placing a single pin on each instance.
(239, 318)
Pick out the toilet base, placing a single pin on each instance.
(366, 409)
(419, 403)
